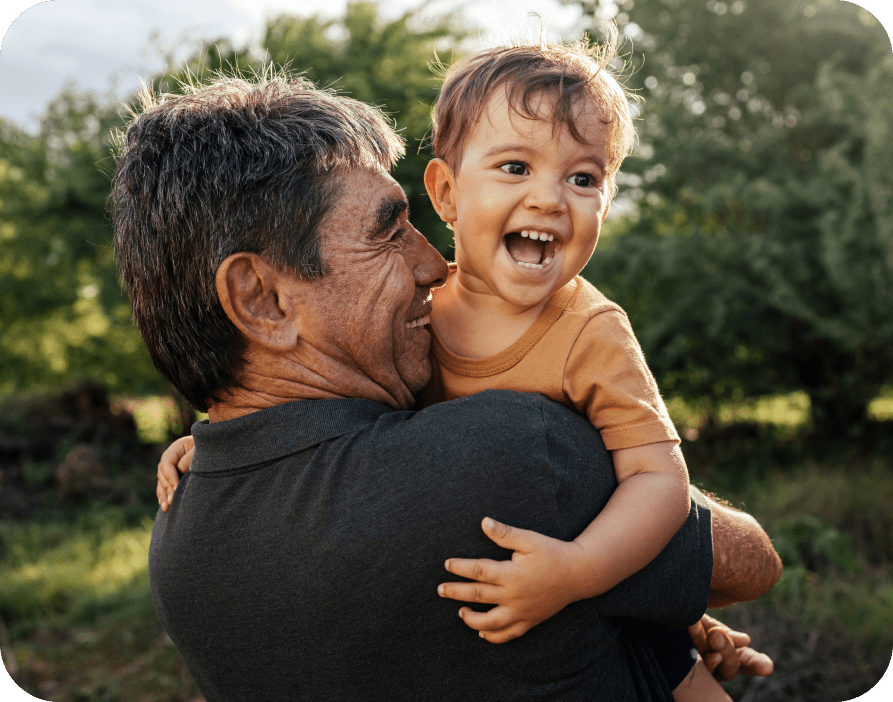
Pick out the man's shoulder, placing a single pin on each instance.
(504, 422)
(491, 415)
(492, 410)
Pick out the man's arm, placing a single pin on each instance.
(745, 565)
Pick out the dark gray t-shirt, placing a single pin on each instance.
(301, 555)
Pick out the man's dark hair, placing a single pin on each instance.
(235, 165)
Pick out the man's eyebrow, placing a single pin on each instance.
(390, 209)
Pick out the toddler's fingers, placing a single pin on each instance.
(470, 592)
(512, 538)
(493, 620)
(484, 570)
(160, 493)
(504, 635)
(168, 474)
(186, 461)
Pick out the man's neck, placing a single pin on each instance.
(266, 383)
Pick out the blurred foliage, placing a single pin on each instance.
(814, 544)
(759, 259)
(62, 311)
(80, 570)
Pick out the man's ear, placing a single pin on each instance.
(440, 186)
(255, 297)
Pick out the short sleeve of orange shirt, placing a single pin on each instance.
(607, 379)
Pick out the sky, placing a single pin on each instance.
(106, 46)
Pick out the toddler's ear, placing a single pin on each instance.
(439, 184)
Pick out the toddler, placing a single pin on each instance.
(528, 141)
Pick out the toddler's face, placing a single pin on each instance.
(530, 200)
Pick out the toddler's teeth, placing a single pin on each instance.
(525, 233)
(551, 237)
(546, 260)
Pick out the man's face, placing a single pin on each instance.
(369, 313)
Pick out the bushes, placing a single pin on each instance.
(69, 447)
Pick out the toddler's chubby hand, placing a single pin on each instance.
(528, 589)
(176, 459)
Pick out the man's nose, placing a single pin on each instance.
(428, 267)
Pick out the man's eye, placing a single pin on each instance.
(398, 234)
(514, 168)
(581, 180)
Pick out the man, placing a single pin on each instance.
(279, 285)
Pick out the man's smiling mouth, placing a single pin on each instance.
(531, 248)
(418, 322)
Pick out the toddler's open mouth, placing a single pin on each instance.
(530, 248)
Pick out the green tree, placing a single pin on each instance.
(62, 312)
(760, 256)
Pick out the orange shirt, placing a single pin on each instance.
(581, 351)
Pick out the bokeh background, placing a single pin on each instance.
(751, 243)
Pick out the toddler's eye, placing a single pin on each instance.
(581, 180)
(514, 168)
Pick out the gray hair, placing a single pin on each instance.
(234, 165)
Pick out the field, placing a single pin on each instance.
(77, 622)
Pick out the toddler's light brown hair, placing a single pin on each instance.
(565, 73)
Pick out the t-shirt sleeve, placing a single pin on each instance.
(607, 380)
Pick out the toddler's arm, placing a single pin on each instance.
(176, 459)
(544, 574)
(649, 505)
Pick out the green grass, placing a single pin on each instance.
(77, 607)
(831, 524)
(73, 572)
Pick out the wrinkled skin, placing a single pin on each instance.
(356, 332)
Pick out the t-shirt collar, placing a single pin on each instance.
(272, 433)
